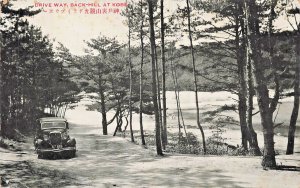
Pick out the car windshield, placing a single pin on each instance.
(50, 125)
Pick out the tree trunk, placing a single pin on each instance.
(158, 96)
(179, 111)
(271, 43)
(252, 136)
(64, 113)
(141, 78)
(294, 116)
(260, 83)
(117, 126)
(130, 79)
(118, 116)
(2, 125)
(4, 102)
(102, 100)
(163, 60)
(179, 104)
(103, 112)
(176, 96)
(242, 106)
(195, 76)
(250, 132)
(154, 86)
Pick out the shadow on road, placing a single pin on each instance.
(106, 161)
(288, 168)
(113, 161)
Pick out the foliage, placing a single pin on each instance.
(104, 70)
(32, 79)
(216, 140)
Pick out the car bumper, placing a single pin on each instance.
(64, 152)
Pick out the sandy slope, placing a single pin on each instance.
(208, 101)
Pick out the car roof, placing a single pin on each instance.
(48, 119)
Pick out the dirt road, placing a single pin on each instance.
(105, 161)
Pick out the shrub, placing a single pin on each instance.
(3, 144)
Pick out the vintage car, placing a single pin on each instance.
(52, 139)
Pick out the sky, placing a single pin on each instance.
(72, 29)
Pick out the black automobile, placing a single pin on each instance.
(52, 139)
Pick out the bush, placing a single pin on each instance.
(3, 144)
(184, 144)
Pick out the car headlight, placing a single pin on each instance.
(46, 137)
(64, 136)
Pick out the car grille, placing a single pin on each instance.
(55, 139)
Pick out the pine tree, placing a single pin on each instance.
(154, 78)
(250, 11)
